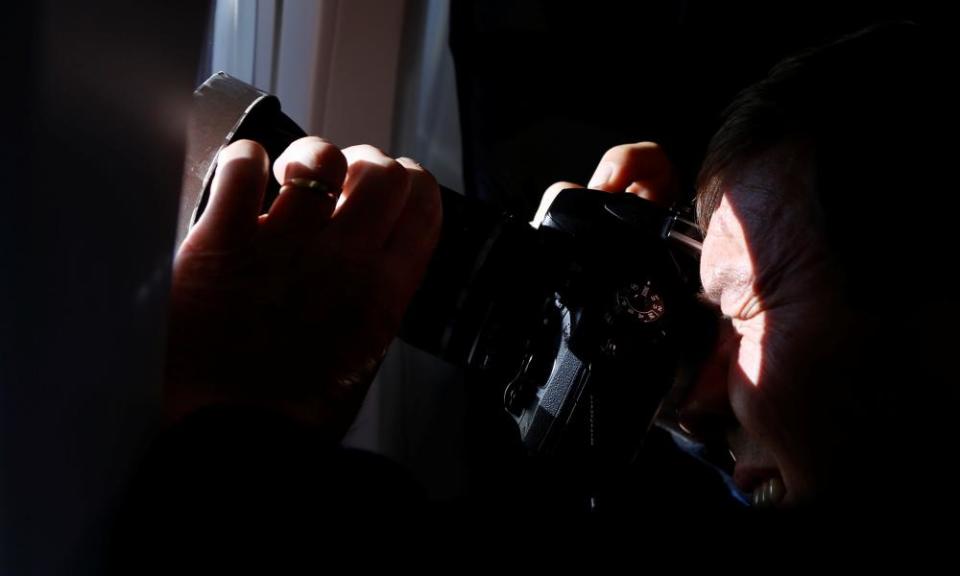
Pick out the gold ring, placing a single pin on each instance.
(314, 185)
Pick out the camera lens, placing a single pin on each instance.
(482, 296)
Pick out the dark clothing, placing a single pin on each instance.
(237, 482)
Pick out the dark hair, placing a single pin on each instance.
(871, 105)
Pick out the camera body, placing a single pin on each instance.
(579, 320)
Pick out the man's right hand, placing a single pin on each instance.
(642, 169)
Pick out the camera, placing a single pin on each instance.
(580, 321)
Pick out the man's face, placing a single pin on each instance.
(767, 388)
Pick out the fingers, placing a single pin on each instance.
(642, 169)
(547, 199)
(311, 172)
(417, 229)
(373, 198)
(230, 217)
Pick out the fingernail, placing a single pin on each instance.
(601, 176)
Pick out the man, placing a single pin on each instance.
(819, 257)
(823, 257)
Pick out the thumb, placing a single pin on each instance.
(642, 169)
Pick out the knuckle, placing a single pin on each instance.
(369, 150)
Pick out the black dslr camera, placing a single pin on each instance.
(580, 322)
(589, 313)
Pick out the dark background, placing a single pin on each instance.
(547, 86)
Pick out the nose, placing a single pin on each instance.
(704, 411)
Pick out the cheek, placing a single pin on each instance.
(749, 360)
(747, 390)
(747, 379)
(772, 392)
(760, 383)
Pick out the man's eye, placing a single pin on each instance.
(710, 305)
